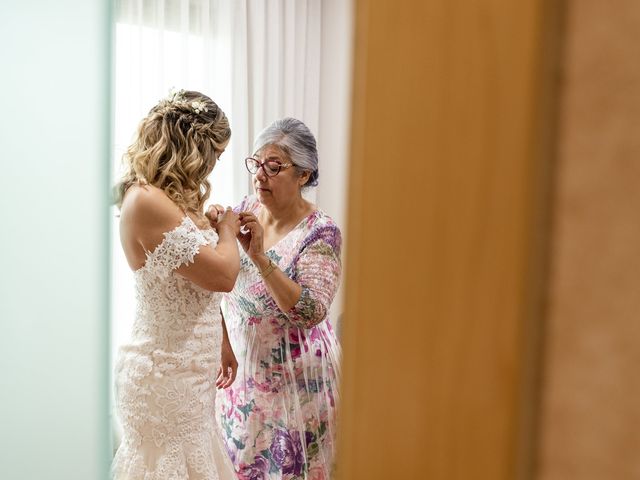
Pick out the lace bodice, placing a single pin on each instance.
(170, 308)
(165, 377)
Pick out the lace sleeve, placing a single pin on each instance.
(179, 247)
(317, 271)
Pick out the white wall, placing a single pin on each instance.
(53, 247)
(335, 110)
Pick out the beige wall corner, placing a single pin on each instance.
(591, 407)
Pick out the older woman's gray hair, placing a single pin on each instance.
(296, 140)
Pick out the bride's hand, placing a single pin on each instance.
(231, 219)
(228, 366)
(213, 213)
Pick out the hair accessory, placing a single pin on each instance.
(177, 97)
(199, 107)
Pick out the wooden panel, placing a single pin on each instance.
(591, 407)
(450, 143)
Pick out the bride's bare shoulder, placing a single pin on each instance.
(146, 204)
(144, 196)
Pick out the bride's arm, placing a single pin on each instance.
(228, 363)
(151, 214)
(216, 269)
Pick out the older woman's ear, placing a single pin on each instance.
(304, 177)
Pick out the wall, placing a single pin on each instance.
(335, 103)
(53, 249)
(335, 117)
(590, 412)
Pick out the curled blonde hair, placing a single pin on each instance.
(175, 149)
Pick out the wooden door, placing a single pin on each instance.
(452, 138)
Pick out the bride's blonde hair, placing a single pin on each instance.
(176, 147)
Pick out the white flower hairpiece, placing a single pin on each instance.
(199, 107)
(177, 97)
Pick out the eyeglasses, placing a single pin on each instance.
(271, 168)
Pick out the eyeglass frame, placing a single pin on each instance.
(261, 165)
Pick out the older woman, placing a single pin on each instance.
(279, 417)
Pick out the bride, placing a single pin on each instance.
(166, 377)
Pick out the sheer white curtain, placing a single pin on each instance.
(276, 51)
(260, 60)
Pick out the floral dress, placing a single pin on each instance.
(278, 418)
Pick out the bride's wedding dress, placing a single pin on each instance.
(165, 377)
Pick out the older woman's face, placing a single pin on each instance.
(283, 187)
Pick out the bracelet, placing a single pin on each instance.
(268, 269)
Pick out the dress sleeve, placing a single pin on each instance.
(179, 247)
(250, 202)
(317, 271)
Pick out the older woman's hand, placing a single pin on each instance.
(251, 235)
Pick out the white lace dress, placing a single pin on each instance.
(165, 378)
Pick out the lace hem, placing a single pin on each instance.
(200, 457)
